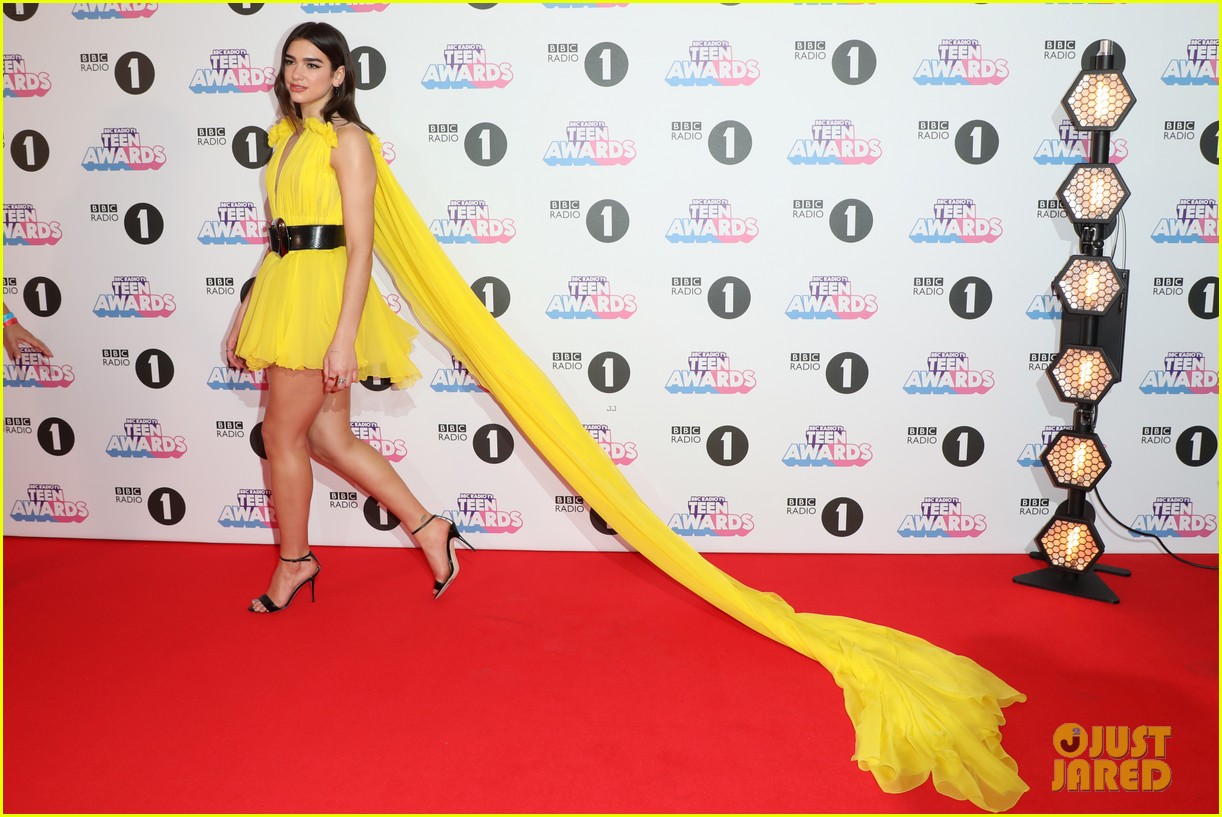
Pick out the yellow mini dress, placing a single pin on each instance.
(295, 301)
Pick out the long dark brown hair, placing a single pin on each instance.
(327, 39)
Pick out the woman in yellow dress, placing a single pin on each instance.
(313, 321)
(919, 710)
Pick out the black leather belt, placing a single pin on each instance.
(283, 238)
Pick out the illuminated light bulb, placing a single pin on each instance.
(1079, 460)
(1071, 550)
(1085, 372)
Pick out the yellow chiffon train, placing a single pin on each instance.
(918, 709)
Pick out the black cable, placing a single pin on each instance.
(1153, 536)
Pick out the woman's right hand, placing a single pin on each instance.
(231, 345)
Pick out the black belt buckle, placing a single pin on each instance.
(278, 237)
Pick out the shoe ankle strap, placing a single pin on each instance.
(305, 558)
(426, 522)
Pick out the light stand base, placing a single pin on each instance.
(1098, 567)
(1084, 585)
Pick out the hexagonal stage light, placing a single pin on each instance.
(1081, 374)
(1093, 193)
(1088, 285)
(1075, 460)
(1098, 100)
(1070, 544)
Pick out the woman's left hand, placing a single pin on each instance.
(339, 368)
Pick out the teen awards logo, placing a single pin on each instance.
(589, 143)
(1182, 373)
(392, 449)
(31, 369)
(113, 11)
(961, 62)
(236, 222)
(19, 81)
(223, 378)
(479, 513)
(253, 509)
(942, 517)
(949, 373)
(710, 516)
(955, 221)
(1174, 516)
(710, 373)
(1199, 68)
(466, 65)
(143, 437)
(827, 446)
(342, 8)
(712, 221)
(45, 502)
(712, 62)
(132, 296)
(590, 296)
(621, 453)
(454, 379)
(831, 297)
(1071, 146)
(121, 149)
(470, 221)
(229, 71)
(1111, 758)
(835, 142)
(22, 227)
(1030, 455)
(1045, 306)
(1195, 222)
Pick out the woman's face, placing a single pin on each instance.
(309, 77)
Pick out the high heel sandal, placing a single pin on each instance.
(440, 587)
(270, 606)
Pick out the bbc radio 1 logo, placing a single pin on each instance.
(32, 370)
(22, 227)
(835, 142)
(591, 296)
(343, 8)
(1182, 373)
(142, 437)
(961, 62)
(1200, 67)
(828, 446)
(712, 221)
(252, 508)
(589, 143)
(369, 431)
(470, 221)
(949, 373)
(1174, 516)
(113, 11)
(955, 221)
(223, 378)
(466, 65)
(712, 62)
(46, 502)
(1071, 146)
(710, 516)
(236, 222)
(481, 513)
(1195, 222)
(132, 296)
(621, 453)
(20, 81)
(942, 517)
(230, 71)
(831, 297)
(710, 373)
(455, 378)
(1029, 457)
(122, 149)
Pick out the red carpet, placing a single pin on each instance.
(135, 681)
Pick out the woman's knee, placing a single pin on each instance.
(328, 441)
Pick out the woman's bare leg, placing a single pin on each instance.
(294, 400)
(333, 444)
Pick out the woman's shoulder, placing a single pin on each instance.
(350, 133)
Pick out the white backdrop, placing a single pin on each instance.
(753, 245)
